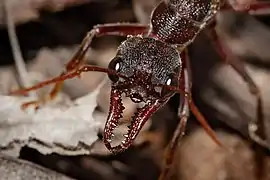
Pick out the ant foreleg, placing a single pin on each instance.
(256, 126)
(187, 84)
(119, 29)
(186, 104)
(178, 133)
(68, 75)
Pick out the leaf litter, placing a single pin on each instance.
(66, 130)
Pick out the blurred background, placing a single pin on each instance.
(49, 33)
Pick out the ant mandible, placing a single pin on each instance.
(151, 66)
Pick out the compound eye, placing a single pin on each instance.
(115, 65)
(171, 81)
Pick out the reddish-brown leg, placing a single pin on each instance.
(186, 105)
(75, 73)
(178, 134)
(257, 127)
(259, 8)
(121, 29)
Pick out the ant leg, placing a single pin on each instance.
(259, 8)
(184, 108)
(178, 134)
(76, 73)
(188, 84)
(256, 128)
(119, 29)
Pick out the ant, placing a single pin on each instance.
(150, 66)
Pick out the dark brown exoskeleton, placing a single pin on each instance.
(150, 67)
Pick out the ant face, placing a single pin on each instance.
(144, 67)
(148, 66)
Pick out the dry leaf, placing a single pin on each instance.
(62, 129)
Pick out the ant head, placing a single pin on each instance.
(148, 66)
(144, 68)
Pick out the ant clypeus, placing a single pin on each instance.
(151, 66)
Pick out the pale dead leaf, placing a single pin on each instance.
(68, 130)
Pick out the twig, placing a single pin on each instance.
(17, 54)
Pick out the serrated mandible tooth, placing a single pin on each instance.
(113, 124)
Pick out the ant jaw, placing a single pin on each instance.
(138, 120)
